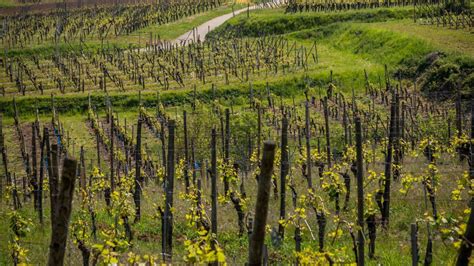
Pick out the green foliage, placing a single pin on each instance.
(383, 46)
(20, 226)
(439, 75)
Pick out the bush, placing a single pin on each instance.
(444, 80)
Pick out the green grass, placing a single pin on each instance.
(8, 3)
(449, 40)
(373, 44)
(13, 3)
(275, 21)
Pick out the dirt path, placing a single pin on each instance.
(200, 32)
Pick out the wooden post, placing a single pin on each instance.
(265, 255)
(5, 160)
(98, 148)
(193, 161)
(214, 182)
(308, 147)
(259, 131)
(261, 207)
(23, 179)
(59, 233)
(15, 111)
(459, 121)
(251, 101)
(222, 131)
(82, 183)
(414, 11)
(449, 128)
(298, 239)
(458, 116)
(53, 182)
(344, 124)
(169, 187)
(186, 151)
(388, 168)
(328, 134)
(284, 167)
(465, 251)
(414, 244)
(2, 145)
(227, 148)
(34, 168)
(41, 177)
(138, 179)
(2, 141)
(396, 139)
(360, 193)
(112, 181)
(199, 195)
(194, 97)
(401, 133)
(15, 198)
(163, 144)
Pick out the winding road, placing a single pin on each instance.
(200, 32)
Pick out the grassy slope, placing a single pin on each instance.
(450, 40)
(275, 21)
(360, 40)
(397, 20)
